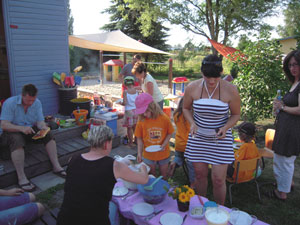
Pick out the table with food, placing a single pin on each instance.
(151, 204)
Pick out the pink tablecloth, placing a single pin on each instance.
(168, 205)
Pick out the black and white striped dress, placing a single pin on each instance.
(204, 147)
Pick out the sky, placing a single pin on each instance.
(88, 20)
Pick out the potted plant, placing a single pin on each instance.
(182, 194)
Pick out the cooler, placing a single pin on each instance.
(111, 120)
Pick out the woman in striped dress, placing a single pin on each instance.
(216, 109)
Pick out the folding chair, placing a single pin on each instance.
(267, 151)
(243, 166)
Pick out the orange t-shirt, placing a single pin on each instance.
(182, 132)
(246, 151)
(154, 132)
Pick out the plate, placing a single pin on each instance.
(142, 209)
(171, 218)
(120, 191)
(240, 217)
(153, 148)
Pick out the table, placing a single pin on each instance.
(168, 205)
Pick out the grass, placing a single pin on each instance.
(245, 196)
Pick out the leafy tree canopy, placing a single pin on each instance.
(219, 19)
(291, 25)
(70, 18)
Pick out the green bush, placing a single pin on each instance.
(260, 75)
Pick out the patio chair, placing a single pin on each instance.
(243, 166)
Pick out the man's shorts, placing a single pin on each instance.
(17, 209)
(17, 140)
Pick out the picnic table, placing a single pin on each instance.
(168, 205)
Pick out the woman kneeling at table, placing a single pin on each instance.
(90, 180)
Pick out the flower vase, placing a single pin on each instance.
(183, 207)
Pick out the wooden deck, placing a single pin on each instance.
(69, 142)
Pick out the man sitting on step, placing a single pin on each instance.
(21, 118)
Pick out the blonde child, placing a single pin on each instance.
(130, 118)
(248, 150)
(154, 127)
(181, 137)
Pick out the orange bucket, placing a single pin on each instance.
(168, 111)
(80, 116)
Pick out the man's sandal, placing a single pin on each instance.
(31, 186)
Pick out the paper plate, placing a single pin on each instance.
(153, 148)
(240, 217)
(142, 209)
(171, 218)
(120, 191)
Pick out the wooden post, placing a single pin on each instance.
(124, 58)
(170, 74)
(101, 67)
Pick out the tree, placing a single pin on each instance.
(127, 18)
(260, 76)
(291, 20)
(219, 19)
(70, 18)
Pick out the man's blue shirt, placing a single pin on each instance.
(13, 111)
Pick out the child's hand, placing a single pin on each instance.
(139, 158)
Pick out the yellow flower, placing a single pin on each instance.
(177, 190)
(190, 192)
(183, 197)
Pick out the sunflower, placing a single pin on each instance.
(190, 192)
(183, 197)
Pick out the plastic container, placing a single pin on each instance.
(168, 111)
(157, 195)
(111, 120)
(65, 96)
(217, 216)
(197, 212)
(80, 116)
(82, 103)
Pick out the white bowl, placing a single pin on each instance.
(216, 216)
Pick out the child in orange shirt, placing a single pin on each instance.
(248, 150)
(154, 127)
(181, 137)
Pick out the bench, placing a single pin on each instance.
(69, 142)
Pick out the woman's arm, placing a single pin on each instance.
(291, 110)
(187, 108)
(149, 88)
(235, 110)
(121, 170)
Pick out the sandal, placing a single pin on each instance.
(29, 184)
(61, 173)
(273, 194)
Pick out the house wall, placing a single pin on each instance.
(288, 45)
(37, 45)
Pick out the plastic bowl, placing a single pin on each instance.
(216, 216)
(197, 211)
(157, 195)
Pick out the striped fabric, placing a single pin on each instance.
(210, 114)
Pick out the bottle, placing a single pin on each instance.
(96, 99)
(278, 97)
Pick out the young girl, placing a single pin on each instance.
(153, 128)
(130, 118)
(181, 137)
(248, 150)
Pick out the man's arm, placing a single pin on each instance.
(41, 125)
(9, 127)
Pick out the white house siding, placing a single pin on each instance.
(37, 45)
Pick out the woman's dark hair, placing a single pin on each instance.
(139, 67)
(296, 55)
(29, 89)
(212, 66)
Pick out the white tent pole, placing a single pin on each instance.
(101, 67)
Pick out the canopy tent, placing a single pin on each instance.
(114, 41)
